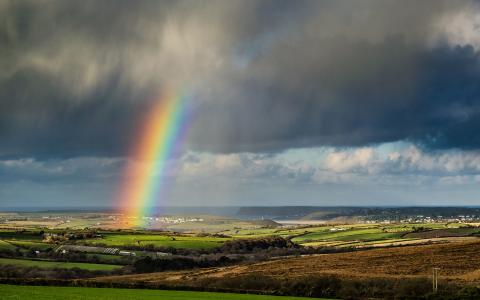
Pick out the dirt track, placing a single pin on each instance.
(457, 260)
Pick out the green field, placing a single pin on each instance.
(190, 242)
(249, 233)
(364, 234)
(31, 245)
(370, 234)
(6, 246)
(12, 292)
(55, 264)
(317, 235)
(20, 236)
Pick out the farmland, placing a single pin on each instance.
(74, 293)
(158, 240)
(6, 246)
(324, 259)
(32, 245)
(54, 264)
(351, 235)
(25, 235)
(458, 260)
(380, 271)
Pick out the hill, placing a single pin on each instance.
(377, 273)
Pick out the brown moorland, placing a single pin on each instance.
(458, 260)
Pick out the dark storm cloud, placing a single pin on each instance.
(35, 120)
(74, 170)
(389, 92)
(76, 77)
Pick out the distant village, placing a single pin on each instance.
(172, 219)
(422, 219)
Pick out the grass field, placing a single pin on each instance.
(190, 242)
(54, 264)
(249, 233)
(325, 229)
(12, 292)
(318, 235)
(31, 245)
(366, 234)
(20, 236)
(6, 246)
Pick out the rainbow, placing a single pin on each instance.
(159, 139)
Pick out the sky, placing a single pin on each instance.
(294, 102)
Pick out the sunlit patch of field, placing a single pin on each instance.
(248, 233)
(177, 241)
(213, 225)
(370, 234)
(283, 232)
(356, 244)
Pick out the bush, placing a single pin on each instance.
(253, 245)
(148, 264)
(15, 271)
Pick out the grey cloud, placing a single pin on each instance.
(73, 170)
(77, 76)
